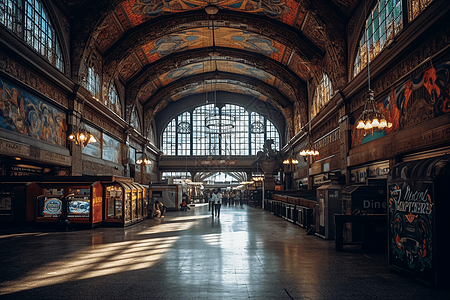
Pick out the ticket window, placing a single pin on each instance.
(114, 199)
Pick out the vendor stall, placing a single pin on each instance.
(125, 203)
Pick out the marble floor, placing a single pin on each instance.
(247, 253)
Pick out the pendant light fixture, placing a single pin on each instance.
(371, 118)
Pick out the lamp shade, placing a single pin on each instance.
(360, 124)
(375, 123)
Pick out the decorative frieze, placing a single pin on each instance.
(31, 79)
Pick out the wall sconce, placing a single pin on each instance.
(81, 136)
(143, 160)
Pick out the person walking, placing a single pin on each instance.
(214, 200)
(218, 204)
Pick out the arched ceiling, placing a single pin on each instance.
(163, 51)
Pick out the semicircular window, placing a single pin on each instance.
(246, 136)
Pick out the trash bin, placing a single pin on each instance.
(329, 200)
(418, 229)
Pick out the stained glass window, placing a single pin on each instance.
(415, 7)
(245, 138)
(28, 20)
(383, 23)
(322, 95)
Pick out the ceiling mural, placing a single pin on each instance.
(224, 37)
(217, 85)
(132, 13)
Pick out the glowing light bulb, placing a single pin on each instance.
(368, 126)
(375, 123)
(383, 123)
(360, 124)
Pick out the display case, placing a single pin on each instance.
(80, 203)
(125, 203)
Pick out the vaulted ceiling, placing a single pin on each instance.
(164, 51)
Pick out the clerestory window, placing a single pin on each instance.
(29, 20)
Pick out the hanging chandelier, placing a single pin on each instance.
(144, 159)
(81, 136)
(217, 123)
(309, 151)
(371, 118)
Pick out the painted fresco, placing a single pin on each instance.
(209, 86)
(23, 113)
(129, 67)
(420, 99)
(107, 33)
(134, 12)
(202, 37)
(221, 65)
(299, 66)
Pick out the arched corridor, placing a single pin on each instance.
(246, 254)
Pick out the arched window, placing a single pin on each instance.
(322, 95)
(383, 23)
(135, 123)
(28, 20)
(113, 101)
(93, 82)
(188, 130)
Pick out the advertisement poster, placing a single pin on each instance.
(411, 213)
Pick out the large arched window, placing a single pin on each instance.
(383, 23)
(113, 101)
(28, 20)
(187, 133)
(322, 95)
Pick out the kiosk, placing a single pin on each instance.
(125, 203)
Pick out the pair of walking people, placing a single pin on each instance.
(216, 203)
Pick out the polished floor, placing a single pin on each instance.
(247, 253)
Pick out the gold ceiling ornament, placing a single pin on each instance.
(144, 159)
(81, 136)
(211, 9)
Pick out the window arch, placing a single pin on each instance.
(113, 101)
(322, 95)
(93, 82)
(187, 134)
(134, 122)
(29, 20)
(383, 23)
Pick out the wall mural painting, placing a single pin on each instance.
(420, 99)
(23, 113)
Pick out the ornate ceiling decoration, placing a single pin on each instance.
(159, 49)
